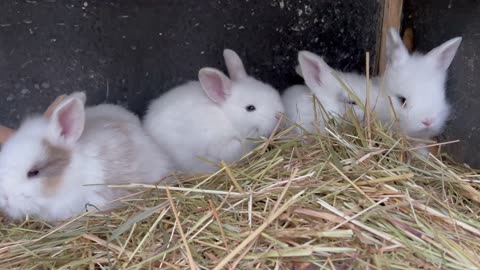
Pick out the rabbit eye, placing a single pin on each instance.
(402, 100)
(346, 100)
(32, 173)
(250, 108)
(351, 102)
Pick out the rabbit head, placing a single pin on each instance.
(320, 78)
(35, 160)
(416, 85)
(251, 106)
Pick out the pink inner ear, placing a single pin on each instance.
(215, 84)
(216, 87)
(71, 121)
(311, 71)
(66, 122)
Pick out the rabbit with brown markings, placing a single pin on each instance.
(52, 167)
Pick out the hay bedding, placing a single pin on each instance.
(333, 201)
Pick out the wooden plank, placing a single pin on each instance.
(408, 39)
(392, 15)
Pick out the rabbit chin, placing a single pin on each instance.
(424, 133)
(17, 210)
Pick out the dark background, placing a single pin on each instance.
(434, 22)
(129, 51)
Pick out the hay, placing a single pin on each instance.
(333, 201)
(352, 198)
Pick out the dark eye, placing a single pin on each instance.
(402, 100)
(32, 173)
(351, 102)
(250, 108)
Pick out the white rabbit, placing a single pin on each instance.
(213, 118)
(416, 85)
(323, 82)
(51, 168)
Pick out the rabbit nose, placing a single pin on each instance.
(427, 122)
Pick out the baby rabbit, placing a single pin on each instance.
(214, 117)
(320, 81)
(415, 84)
(52, 167)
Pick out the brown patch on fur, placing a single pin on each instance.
(119, 155)
(54, 167)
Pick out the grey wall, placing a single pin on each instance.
(434, 22)
(129, 51)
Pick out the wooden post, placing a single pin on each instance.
(408, 39)
(392, 15)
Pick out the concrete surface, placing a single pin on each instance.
(129, 51)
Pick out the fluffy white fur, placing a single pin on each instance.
(415, 84)
(420, 79)
(208, 119)
(107, 145)
(323, 82)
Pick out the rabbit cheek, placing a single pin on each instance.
(54, 170)
(51, 185)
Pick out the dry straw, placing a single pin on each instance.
(353, 198)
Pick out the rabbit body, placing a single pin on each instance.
(213, 118)
(411, 91)
(51, 168)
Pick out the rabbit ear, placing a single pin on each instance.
(6, 133)
(298, 70)
(397, 53)
(216, 85)
(53, 106)
(68, 119)
(443, 55)
(314, 70)
(234, 64)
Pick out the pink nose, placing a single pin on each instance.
(427, 122)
